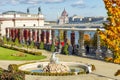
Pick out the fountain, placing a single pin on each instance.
(55, 66)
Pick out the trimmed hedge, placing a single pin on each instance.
(14, 68)
(41, 46)
(65, 49)
(52, 49)
(22, 50)
(48, 74)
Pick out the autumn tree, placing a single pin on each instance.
(111, 35)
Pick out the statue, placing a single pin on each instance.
(54, 59)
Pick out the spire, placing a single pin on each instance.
(64, 13)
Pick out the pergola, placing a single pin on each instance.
(38, 34)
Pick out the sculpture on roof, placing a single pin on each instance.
(39, 10)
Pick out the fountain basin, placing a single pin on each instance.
(38, 66)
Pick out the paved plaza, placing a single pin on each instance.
(104, 70)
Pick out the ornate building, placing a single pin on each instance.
(20, 19)
(63, 18)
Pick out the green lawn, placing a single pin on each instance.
(7, 54)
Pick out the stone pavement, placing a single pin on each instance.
(104, 70)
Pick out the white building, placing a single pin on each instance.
(63, 18)
(20, 19)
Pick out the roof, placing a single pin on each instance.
(13, 12)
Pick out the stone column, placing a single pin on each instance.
(98, 51)
(39, 36)
(73, 38)
(50, 36)
(35, 35)
(23, 39)
(53, 36)
(42, 36)
(65, 37)
(59, 41)
(47, 36)
(109, 53)
(81, 42)
(21, 36)
(31, 35)
(7, 33)
(28, 34)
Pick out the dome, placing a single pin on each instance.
(64, 13)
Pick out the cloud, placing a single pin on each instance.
(3, 2)
(79, 4)
(14, 2)
(30, 1)
(53, 1)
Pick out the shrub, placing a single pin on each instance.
(38, 53)
(108, 59)
(20, 54)
(65, 49)
(31, 45)
(12, 76)
(17, 42)
(19, 76)
(117, 73)
(1, 71)
(52, 48)
(13, 68)
(93, 67)
(41, 45)
(81, 73)
(117, 60)
(1, 42)
(8, 75)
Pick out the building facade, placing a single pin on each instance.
(79, 19)
(20, 19)
(63, 19)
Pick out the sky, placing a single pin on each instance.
(52, 9)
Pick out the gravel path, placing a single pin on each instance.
(104, 70)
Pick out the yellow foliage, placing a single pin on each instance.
(111, 36)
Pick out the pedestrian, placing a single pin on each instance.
(87, 49)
